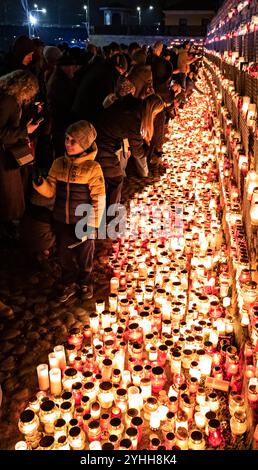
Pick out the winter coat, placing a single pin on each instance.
(99, 81)
(12, 203)
(75, 181)
(141, 76)
(120, 121)
(161, 73)
(60, 97)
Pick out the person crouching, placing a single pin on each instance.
(76, 179)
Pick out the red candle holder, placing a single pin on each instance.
(158, 379)
(215, 436)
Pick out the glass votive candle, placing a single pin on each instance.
(137, 422)
(76, 438)
(252, 392)
(125, 444)
(169, 440)
(60, 428)
(173, 404)
(95, 445)
(106, 395)
(95, 410)
(48, 414)
(176, 361)
(116, 427)
(187, 404)
(215, 436)
(201, 396)
(181, 419)
(94, 322)
(75, 337)
(150, 406)
(59, 350)
(85, 422)
(100, 306)
(121, 399)
(236, 403)
(154, 421)
(181, 438)
(158, 379)
(132, 434)
(196, 440)
(135, 399)
(238, 423)
(46, 443)
(28, 422)
(21, 445)
(200, 420)
(66, 411)
(193, 385)
(114, 284)
(70, 376)
(213, 400)
(94, 430)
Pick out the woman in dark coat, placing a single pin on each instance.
(128, 118)
(16, 89)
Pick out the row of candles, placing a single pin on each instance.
(236, 206)
(243, 103)
(250, 198)
(157, 355)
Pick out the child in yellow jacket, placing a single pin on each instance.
(75, 180)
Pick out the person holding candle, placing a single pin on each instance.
(76, 179)
(127, 118)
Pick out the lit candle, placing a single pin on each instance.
(55, 381)
(114, 285)
(200, 420)
(60, 354)
(42, 371)
(53, 360)
(154, 421)
(205, 364)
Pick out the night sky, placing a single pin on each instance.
(71, 11)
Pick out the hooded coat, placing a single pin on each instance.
(74, 181)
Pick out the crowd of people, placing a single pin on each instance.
(73, 123)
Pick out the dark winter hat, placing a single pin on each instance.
(22, 46)
(83, 132)
(139, 57)
(51, 54)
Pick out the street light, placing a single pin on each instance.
(87, 17)
(32, 19)
(151, 7)
(139, 14)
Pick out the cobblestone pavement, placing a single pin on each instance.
(35, 322)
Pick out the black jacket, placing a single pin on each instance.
(120, 121)
(162, 73)
(60, 97)
(99, 81)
